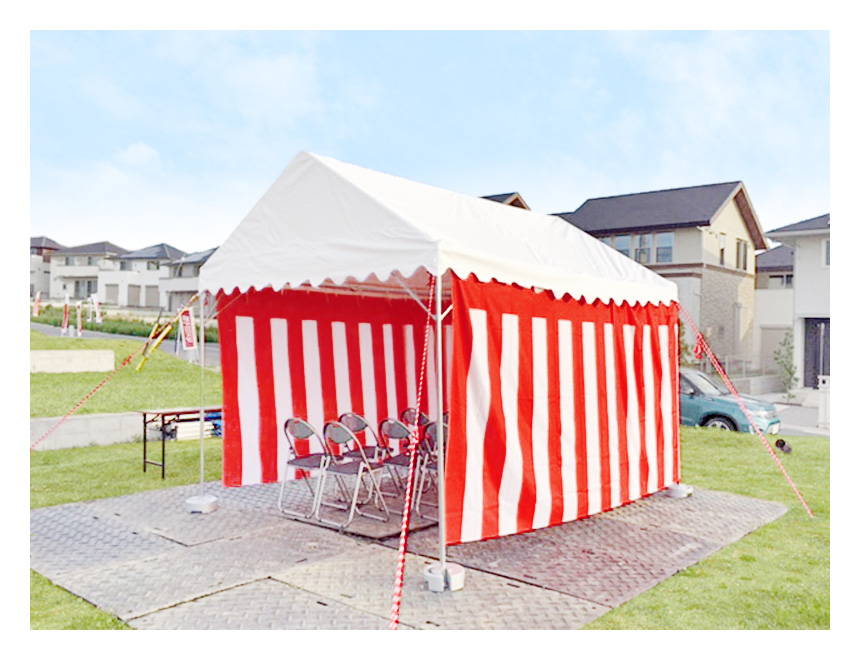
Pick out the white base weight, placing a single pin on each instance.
(435, 580)
(201, 504)
(679, 490)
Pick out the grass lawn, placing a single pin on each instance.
(163, 382)
(778, 577)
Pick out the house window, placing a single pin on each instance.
(607, 240)
(643, 248)
(665, 243)
(92, 261)
(622, 244)
(780, 282)
(124, 265)
(151, 265)
(741, 260)
(722, 249)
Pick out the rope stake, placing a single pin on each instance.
(702, 346)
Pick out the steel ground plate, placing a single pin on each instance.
(614, 556)
(74, 536)
(131, 589)
(364, 579)
(261, 605)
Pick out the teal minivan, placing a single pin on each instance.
(706, 401)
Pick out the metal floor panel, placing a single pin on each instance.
(163, 513)
(364, 579)
(74, 536)
(145, 559)
(134, 588)
(261, 605)
(614, 556)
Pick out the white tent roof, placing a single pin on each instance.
(324, 221)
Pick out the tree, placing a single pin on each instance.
(787, 370)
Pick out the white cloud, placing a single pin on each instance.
(139, 154)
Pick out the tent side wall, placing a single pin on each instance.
(560, 409)
(313, 355)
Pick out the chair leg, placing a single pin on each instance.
(378, 496)
(294, 513)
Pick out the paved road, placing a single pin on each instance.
(213, 351)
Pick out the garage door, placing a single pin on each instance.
(152, 296)
(134, 295)
(112, 293)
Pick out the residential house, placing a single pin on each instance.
(41, 249)
(75, 270)
(181, 282)
(510, 199)
(810, 240)
(133, 279)
(774, 302)
(703, 238)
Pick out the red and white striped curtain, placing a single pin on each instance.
(316, 356)
(559, 409)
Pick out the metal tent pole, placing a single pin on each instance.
(202, 503)
(202, 349)
(440, 428)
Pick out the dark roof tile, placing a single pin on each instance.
(45, 242)
(778, 258)
(813, 224)
(102, 248)
(160, 251)
(678, 207)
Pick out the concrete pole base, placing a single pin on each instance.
(455, 579)
(201, 504)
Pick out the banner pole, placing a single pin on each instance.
(201, 503)
(202, 385)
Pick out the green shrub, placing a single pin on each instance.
(53, 315)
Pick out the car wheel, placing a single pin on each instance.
(722, 423)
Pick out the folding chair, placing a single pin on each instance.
(414, 417)
(360, 469)
(395, 432)
(376, 452)
(428, 453)
(298, 429)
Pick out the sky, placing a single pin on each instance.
(147, 137)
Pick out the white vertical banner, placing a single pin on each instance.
(186, 330)
(79, 308)
(98, 307)
(64, 327)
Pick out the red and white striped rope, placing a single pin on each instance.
(84, 400)
(407, 503)
(125, 362)
(704, 344)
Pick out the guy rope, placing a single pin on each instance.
(701, 346)
(159, 332)
(407, 504)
